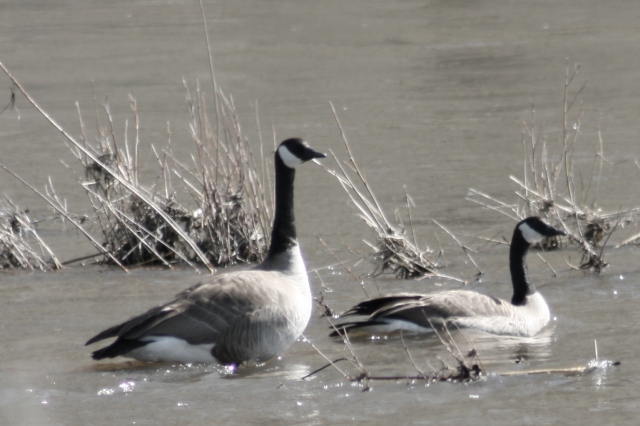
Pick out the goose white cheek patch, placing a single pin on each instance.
(288, 158)
(530, 235)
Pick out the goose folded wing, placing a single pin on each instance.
(259, 335)
(198, 314)
(444, 305)
(372, 306)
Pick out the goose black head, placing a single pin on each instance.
(534, 230)
(295, 151)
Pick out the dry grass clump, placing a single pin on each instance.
(234, 225)
(396, 250)
(553, 186)
(17, 234)
(227, 219)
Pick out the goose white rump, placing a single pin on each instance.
(168, 348)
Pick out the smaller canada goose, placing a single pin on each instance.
(525, 315)
(240, 316)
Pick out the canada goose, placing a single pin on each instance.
(527, 313)
(250, 315)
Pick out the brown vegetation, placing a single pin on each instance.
(17, 236)
(396, 250)
(227, 220)
(552, 187)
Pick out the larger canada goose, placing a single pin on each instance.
(240, 316)
(525, 315)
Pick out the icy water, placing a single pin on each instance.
(432, 96)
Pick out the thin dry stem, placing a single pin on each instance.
(552, 187)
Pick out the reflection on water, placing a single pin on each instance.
(494, 350)
(135, 371)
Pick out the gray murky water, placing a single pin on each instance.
(432, 95)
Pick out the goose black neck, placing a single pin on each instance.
(518, 267)
(283, 235)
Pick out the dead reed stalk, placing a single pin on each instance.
(396, 250)
(550, 186)
(467, 366)
(229, 218)
(17, 236)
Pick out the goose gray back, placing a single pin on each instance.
(525, 315)
(240, 316)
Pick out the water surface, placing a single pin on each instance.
(432, 96)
